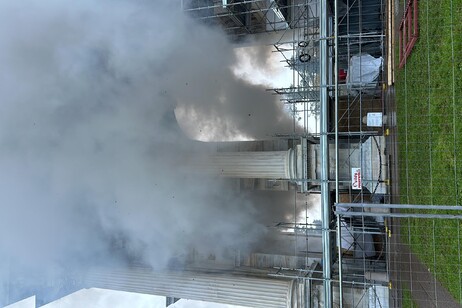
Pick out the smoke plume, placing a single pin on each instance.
(88, 154)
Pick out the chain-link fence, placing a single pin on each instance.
(429, 107)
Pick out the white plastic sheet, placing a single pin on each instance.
(363, 69)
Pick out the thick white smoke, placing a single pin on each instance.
(88, 154)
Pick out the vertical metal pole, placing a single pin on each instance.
(339, 247)
(324, 144)
(307, 293)
(339, 237)
(336, 99)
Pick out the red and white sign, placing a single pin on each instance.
(356, 178)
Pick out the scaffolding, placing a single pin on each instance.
(340, 53)
(338, 74)
(239, 18)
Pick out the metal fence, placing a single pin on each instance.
(409, 251)
(428, 107)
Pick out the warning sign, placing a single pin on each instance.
(356, 178)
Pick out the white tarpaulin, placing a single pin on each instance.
(363, 69)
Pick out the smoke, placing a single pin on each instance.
(216, 102)
(88, 157)
(266, 64)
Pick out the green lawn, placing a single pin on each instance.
(407, 302)
(429, 100)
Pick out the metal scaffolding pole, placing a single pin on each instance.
(324, 144)
(400, 206)
(399, 215)
(430, 215)
(337, 184)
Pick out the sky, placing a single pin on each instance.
(89, 146)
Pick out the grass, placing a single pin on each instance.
(429, 100)
(407, 302)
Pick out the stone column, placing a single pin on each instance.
(257, 165)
